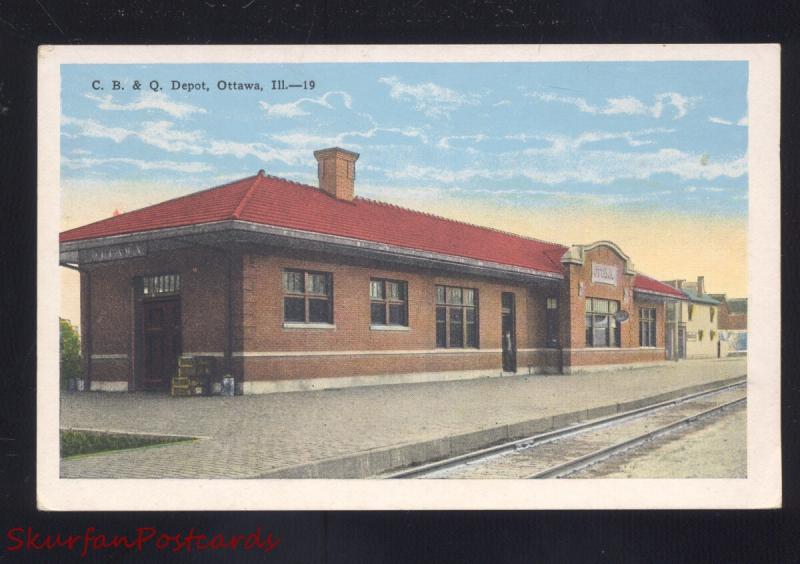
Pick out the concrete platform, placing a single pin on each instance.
(361, 432)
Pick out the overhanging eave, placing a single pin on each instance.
(121, 247)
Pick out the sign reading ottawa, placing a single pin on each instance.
(113, 253)
(604, 274)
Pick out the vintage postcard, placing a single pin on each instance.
(409, 277)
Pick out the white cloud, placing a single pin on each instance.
(295, 109)
(626, 105)
(561, 163)
(260, 151)
(313, 141)
(429, 98)
(148, 101)
(565, 142)
(188, 167)
(161, 134)
(93, 128)
(501, 103)
(741, 121)
(604, 167)
(720, 121)
(444, 142)
(681, 103)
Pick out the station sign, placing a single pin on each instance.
(115, 252)
(604, 274)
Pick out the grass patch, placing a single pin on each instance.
(75, 443)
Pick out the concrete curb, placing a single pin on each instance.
(380, 461)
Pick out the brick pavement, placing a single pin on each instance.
(249, 436)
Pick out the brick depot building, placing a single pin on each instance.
(296, 287)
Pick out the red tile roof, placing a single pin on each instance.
(282, 203)
(278, 202)
(647, 284)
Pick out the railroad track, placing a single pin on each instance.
(557, 454)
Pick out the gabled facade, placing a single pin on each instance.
(699, 315)
(293, 287)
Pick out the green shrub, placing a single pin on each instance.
(70, 352)
(74, 442)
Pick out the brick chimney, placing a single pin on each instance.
(701, 285)
(336, 169)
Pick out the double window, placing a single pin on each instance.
(456, 317)
(388, 302)
(307, 297)
(602, 329)
(647, 327)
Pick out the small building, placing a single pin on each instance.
(732, 325)
(293, 287)
(698, 320)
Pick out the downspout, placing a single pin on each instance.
(229, 323)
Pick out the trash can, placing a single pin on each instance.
(227, 386)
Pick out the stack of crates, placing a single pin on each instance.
(195, 376)
(182, 384)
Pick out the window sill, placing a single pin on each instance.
(300, 325)
(388, 328)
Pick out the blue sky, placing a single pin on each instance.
(636, 136)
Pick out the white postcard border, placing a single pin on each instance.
(762, 487)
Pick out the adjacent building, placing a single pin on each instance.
(290, 287)
(697, 321)
(732, 325)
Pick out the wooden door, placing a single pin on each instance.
(162, 342)
(509, 330)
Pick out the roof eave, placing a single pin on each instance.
(70, 249)
(659, 294)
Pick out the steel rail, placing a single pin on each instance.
(569, 467)
(548, 436)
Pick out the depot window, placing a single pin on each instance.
(307, 297)
(602, 329)
(647, 327)
(456, 317)
(388, 302)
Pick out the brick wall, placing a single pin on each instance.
(574, 322)
(114, 308)
(264, 331)
(265, 350)
(729, 321)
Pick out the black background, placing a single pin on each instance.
(610, 536)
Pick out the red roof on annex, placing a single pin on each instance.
(279, 202)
